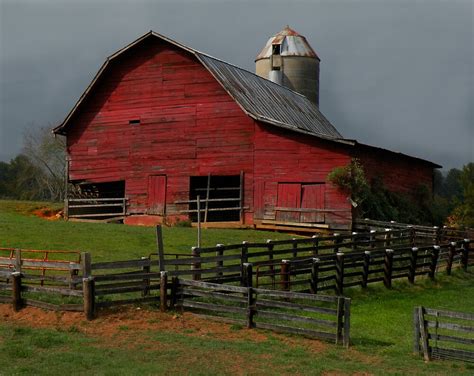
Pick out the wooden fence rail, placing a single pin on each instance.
(441, 334)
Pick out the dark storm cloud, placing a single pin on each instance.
(396, 74)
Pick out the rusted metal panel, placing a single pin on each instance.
(291, 44)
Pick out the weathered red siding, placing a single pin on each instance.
(189, 126)
(283, 156)
(399, 173)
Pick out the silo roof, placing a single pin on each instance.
(291, 44)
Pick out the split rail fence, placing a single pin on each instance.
(441, 334)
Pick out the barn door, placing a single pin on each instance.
(312, 197)
(289, 197)
(156, 194)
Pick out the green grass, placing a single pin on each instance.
(107, 242)
(381, 320)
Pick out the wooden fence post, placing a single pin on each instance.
(423, 333)
(196, 265)
(160, 247)
(244, 258)
(86, 262)
(146, 281)
(337, 242)
(88, 290)
(219, 263)
(372, 239)
(18, 260)
(387, 268)
(270, 247)
(365, 268)
(250, 296)
(434, 261)
(339, 273)
(285, 275)
(315, 244)
(314, 275)
(388, 238)
(174, 292)
(412, 269)
(412, 236)
(416, 332)
(451, 254)
(347, 323)
(72, 275)
(437, 237)
(16, 291)
(465, 254)
(295, 247)
(163, 290)
(340, 319)
(354, 241)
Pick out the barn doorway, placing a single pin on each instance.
(301, 202)
(221, 198)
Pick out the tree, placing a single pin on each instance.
(47, 153)
(463, 214)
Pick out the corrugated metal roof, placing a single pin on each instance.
(291, 44)
(270, 102)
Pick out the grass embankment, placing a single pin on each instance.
(20, 228)
(142, 341)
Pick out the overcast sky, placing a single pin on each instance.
(395, 74)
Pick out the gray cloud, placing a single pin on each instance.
(396, 74)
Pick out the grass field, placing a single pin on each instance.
(118, 345)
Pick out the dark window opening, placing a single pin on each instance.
(98, 201)
(276, 49)
(224, 198)
(134, 122)
(113, 189)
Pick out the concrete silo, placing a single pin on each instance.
(289, 60)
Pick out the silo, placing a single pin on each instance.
(289, 60)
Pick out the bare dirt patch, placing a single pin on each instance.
(48, 213)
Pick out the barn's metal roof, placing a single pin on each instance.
(269, 102)
(291, 44)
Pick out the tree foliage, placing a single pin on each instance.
(373, 200)
(38, 172)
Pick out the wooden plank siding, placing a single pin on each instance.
(286, 157)
(189, 126)
(399, 173)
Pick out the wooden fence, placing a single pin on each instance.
(316, 316)
(223, 263)
(440, 334)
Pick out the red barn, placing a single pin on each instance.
(162, 124)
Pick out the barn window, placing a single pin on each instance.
(220, 196)
(134, 122)
(276, 49)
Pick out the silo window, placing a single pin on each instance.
(134, 122)
(276, 49)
